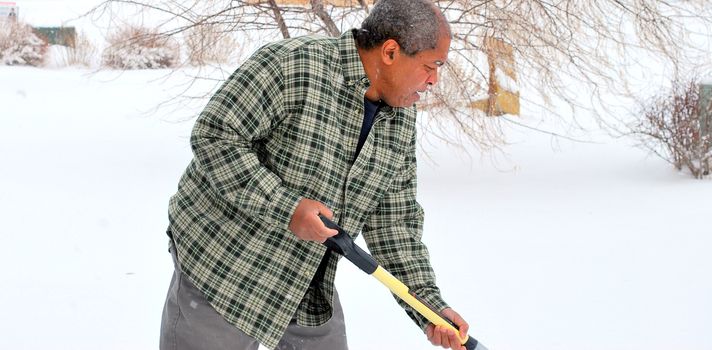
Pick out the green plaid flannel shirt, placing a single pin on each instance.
(284, 126)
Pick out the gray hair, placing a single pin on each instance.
(415, 24)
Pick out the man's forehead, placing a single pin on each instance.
(436, 56)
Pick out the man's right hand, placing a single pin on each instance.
(305, 223)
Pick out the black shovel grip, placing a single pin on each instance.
(344, 245)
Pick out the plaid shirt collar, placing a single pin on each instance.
(351, 61)
(353, 71)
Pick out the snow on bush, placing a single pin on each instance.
(19, 45)
(140, 48)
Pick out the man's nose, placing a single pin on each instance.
(432, 78)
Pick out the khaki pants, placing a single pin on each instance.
(190, 323)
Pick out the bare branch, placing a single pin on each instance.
(318, 8)
(279, 19)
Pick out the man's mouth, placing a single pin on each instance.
(418, 93)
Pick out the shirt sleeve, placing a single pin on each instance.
(393, 234)
(224, 141)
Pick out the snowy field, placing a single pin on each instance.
(573, 246)
(562, 246)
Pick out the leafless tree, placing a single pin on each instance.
(277, 13)
(555, 43)
(676, 127)
(318, 7)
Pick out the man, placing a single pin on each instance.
(306, 126)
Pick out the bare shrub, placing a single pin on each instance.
(19, 45)
(672, 127)
(209, 43)
(82, 53)
(140, 48)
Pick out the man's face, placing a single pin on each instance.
(409, 76)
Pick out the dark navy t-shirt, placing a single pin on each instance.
(370, 109)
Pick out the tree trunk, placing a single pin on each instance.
(318, 8)
(279, 19)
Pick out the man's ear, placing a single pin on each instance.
(389, 51)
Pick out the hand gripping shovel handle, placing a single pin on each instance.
(343, 244)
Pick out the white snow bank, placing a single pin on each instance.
(579, 246)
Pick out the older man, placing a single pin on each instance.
(306, 126)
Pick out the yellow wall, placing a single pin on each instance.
(500, 56)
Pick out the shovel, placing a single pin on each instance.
(342, 244)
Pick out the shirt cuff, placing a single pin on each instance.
(283, 204)
(432, 300)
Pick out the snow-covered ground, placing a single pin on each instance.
(560, 246)
(566, 246)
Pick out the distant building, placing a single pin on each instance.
(8, 11)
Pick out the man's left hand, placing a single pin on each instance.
(445, 337)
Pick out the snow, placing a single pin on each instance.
(578, 246)
(557, 245)
(505, 81)
(136, 57)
